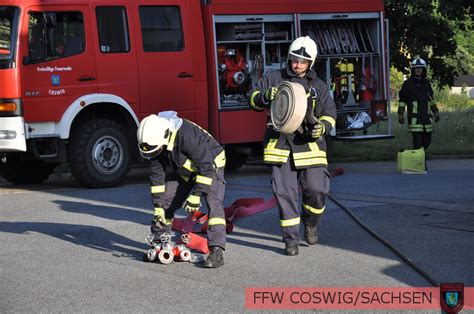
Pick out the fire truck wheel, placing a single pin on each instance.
(18, 171)
(98, 153)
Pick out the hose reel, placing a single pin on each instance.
(288, 109)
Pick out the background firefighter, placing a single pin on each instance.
(416, 95)
(298, 158)
(187, 163)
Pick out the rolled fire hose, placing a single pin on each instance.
(288, 108)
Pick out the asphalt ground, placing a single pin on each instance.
(69, 249)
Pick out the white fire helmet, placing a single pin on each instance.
(303, 48)
(418, 63)
(152, 134)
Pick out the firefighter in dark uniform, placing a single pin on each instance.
(298, 159)
(187, 164)
(416, 95)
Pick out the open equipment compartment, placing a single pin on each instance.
(247, 47)
(351, 61)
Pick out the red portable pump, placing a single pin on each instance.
(235, 65)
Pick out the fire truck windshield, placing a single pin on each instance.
(8, 35)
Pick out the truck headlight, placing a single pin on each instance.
(7, 135)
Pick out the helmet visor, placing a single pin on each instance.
(149, 151)
(146, 147)
(299, 59)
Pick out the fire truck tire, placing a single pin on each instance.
(98, 153)
(19, 171)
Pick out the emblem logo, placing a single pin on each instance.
(55, 80)
(451, 297)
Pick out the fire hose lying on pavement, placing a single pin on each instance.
(196, 222)
(166, 251)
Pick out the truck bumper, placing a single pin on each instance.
(12, 134)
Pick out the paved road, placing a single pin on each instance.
(69, 249)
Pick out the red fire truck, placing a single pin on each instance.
(76, 76)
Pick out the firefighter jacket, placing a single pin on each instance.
(305, 150)
(192, 154)
(416, 95)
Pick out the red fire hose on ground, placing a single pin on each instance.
(245, 207)
(196, 222)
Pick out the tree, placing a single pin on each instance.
(464, 57)
(428, 28)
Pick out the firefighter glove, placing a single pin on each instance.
(159, 216)
(193, 203)
(311, 93)
(401, 118)
(318, 130)
(436, 116)
(270, 94)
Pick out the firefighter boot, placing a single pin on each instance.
(311, 234)
(215, 258)
(291, 250)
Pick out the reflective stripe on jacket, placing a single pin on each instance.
(192, 153)
(305, 151)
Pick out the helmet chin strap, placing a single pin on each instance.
(160, 150)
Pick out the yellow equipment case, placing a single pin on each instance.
(411, 161)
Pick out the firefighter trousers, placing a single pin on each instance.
(286, 182)
(176, 192)
(421, 139)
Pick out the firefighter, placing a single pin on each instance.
(416, 95)
(298, 159)
(187, 165)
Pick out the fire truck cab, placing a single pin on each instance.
(77, 76)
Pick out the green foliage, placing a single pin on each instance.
(453, 102)
(453, 134)
(440, 31)
(464, 56)
(396, 81)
